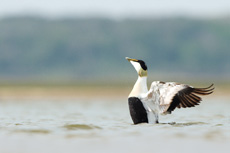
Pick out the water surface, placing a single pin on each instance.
(104, 125)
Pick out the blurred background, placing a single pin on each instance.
(55, 42)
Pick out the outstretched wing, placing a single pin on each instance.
(171, 95)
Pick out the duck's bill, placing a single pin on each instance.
(131, 59)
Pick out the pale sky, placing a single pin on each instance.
(115, 8)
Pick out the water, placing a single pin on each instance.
(104, 125)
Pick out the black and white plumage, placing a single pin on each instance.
(162, 97)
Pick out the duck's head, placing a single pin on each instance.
(139, 65)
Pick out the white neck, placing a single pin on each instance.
(140, 87)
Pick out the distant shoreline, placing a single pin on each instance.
(78, 92)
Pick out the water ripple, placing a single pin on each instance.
(80, 127)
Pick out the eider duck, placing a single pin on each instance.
(162, 97)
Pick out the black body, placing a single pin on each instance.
(137, 111)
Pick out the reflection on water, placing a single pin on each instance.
(103, 125)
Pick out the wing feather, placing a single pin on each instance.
(171, 95)
(197, 99)
(188, 102)
(193, 103)
(184, 102)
